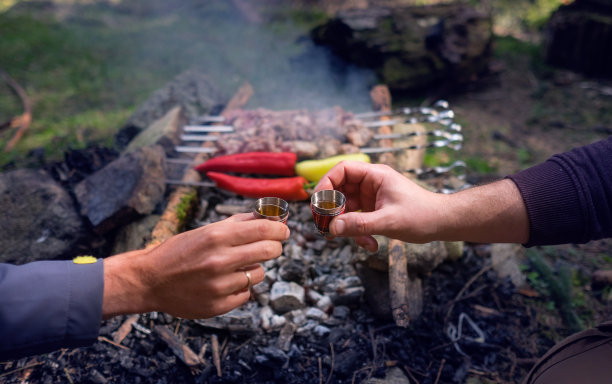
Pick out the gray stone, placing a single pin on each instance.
(164, 132)
(125, 189)
(39, 218)
(285, 297)
(325, 303)
(285, 337)
(193, 91)
(135, 235)
(321, 331)
(341, 312)
(316, 314)
(505, 259)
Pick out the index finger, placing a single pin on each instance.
(250, 231)
(343, 173)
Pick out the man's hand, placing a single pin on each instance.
(381, 201)
(196, 274)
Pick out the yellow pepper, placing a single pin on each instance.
(313, 170)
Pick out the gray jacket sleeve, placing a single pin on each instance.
(48, 305)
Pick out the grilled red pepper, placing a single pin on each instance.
(263, 163)
(287, 188)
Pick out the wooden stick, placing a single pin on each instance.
(398, 283)
(398, 260)
(22, 121)
(25, 367)
(170, 223)
(125, 329)
(440, 370)
(181, 350)
(216, 355)
(102, 338)
(333, 358)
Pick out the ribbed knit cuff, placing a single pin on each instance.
(554, 207)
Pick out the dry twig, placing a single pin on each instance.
(333, 357)
(482, 270)
(22, 121)
(125, 328)
(440, 371)
(25, 367)
(215, 354)
(102, 338)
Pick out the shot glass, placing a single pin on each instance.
(326, 205)
(271, 208)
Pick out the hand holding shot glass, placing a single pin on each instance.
(325, 205)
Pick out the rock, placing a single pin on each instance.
(285, 336)
(125, 189)
(39, 218)
(293, 270)
(193, 91)
(164, 132)
(325, 304)
(321, 331)
(316, 314)
(341, 312)
(454, 249)
(412, 47)
(506, 263)
(394, 375)
(578, 37)
(285, 297)
(135, 235)
(349, 296)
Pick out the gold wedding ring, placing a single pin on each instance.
(249, 282)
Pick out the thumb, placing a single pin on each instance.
(355, 224)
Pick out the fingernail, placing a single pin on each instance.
(287, 233)
(339, 226)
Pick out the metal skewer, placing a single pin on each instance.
(210, 119)
(208, 128)
(208, 184)
(185, 149)
(434, 144)
(199, 138)
(436, 133)
(437, 170)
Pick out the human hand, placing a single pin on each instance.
(381, 201)
(195, 274)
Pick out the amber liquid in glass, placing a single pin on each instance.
(269, 210)
(322, 221)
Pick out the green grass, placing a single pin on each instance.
(85, 77)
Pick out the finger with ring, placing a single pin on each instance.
(249, 281)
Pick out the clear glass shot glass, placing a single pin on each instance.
(271, 208)
(326, 205)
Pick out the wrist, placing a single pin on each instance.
(492, 213)
(124, 289)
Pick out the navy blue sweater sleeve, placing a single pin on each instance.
(569, 196)
(48, 305)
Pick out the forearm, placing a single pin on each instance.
(492, 213)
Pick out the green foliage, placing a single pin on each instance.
(480, 165)
(556, 285)
(523, 157)
(185, 208)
